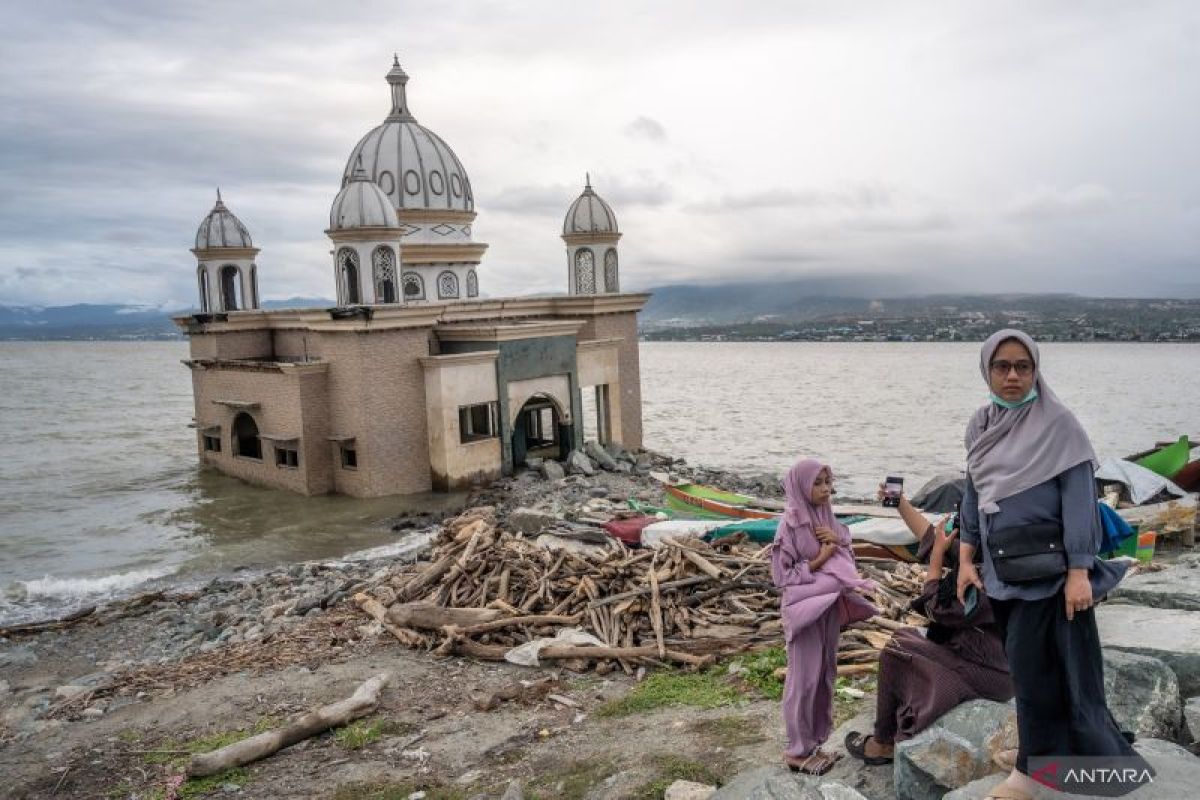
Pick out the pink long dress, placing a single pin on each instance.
(815, 606)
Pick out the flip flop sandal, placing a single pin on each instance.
(816, 764)
(856, 745)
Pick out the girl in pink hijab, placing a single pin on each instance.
(813, 567)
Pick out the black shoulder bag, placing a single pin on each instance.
(1027, 553)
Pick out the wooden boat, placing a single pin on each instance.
(707, 502)
(1168, 460)
(878, 531)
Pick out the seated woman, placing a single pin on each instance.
(960, 658)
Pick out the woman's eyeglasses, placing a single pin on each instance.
(1002, 368)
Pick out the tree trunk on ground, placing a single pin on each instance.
(364, 700)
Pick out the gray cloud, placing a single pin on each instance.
(646, 128)
(952, 143)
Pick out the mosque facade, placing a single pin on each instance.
(415, 380)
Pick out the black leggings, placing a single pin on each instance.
(1058, 672)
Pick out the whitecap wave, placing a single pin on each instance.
(411, 544)
(50, 587)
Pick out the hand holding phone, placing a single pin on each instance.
(893, 487)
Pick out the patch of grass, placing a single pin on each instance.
(200, 787)
(758, 670)
(396, 791)
(362, 732)
(708, 689)
(670, 768)
(572, 782)
(730, 731)
(130, 736)
(119, 792)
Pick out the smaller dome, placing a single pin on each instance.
(222, 229)
(361, 204)
(589, 214)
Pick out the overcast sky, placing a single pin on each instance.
(959, 146)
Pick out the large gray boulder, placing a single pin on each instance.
(957, 749)
(778, 783)
(600, 456)
(1177, 774)
(1143, 694)
(579, 464)
(1170, 635)
(1191, 718)
(552, 470)
(1176, 587)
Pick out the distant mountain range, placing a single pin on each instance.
(679, 306)
(84, 321)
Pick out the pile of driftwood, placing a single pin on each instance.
(487, 591)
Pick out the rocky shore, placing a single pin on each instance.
(107, 705)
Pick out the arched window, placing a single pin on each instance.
(472, 284)
(610, 271)
(245, 437)
(231, 288)
(447, 285)
(254, 285)
(202, 277)
(383, 260)
(414, 287)
(347, 261)
(585, 272)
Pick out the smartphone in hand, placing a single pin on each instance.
(893, 487)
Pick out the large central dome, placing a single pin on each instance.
(410, 163)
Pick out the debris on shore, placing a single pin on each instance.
(493, 594)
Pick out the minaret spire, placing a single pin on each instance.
(397, 78)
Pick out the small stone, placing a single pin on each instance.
(553, 471)
(230, 788)
(598, 454)
(417, 796)
(469, 777)
(69, 691)
(579, 464)
(515, 791)
(17, 656)
(93, 712)
(689, 790)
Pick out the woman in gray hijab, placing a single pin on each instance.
(1030, 504)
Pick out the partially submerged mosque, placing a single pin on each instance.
(413, 381)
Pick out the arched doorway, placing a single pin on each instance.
(541, 431)
(245, 437)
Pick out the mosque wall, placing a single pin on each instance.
(377, 393)
(622, 326)
(454, 383)
(287, 405)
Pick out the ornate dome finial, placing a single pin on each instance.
(219, 196)
(397, 78)
(587, 181)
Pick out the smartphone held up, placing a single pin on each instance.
(893, 487)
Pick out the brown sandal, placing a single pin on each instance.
(816, 763)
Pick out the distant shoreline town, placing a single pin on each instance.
(718, 314)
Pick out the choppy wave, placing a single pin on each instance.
(51, 596)
(88, 588)
(411, 544)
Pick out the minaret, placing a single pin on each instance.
(591, 235)
(226, 274)
(366, 243)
